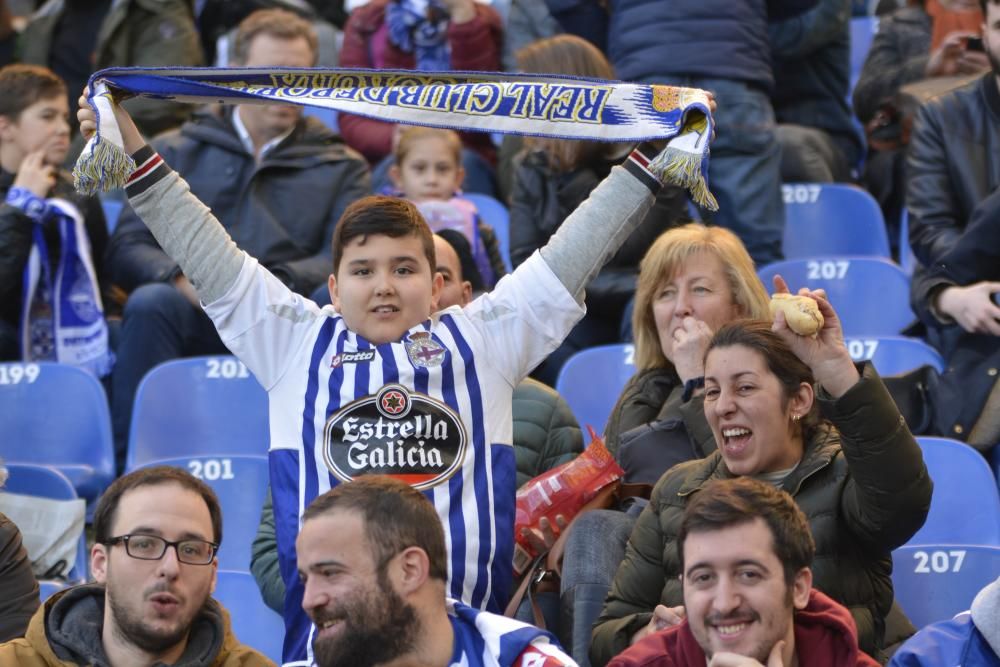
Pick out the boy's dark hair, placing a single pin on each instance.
(278, 23)
(724, 503)
(107, 506)
(396, 516)
(463, 249)
(378, 214)
(23, 85)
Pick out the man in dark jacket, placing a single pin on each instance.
(277, 181)
(722, 46)
(954, 176)
(745, 552)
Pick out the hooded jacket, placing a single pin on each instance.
(825, 636)
(282, 210)
(66, 631)
(862, 485)
(971, 639)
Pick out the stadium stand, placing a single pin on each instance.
(892, 355)
(863, 29)
(253, 622)
(832, 219)
(592, 379)
(933, 582)
(496, 215)
(48, 587)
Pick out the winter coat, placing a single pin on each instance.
(282, 211)
(134, 33)
(954, 173)
(971, 639)
(476, 46)
(825, 636)
(542, 199)
(862, 485)
(16, 242)
(18, 588)
(66, 631)
(545, 435)
(898, 56)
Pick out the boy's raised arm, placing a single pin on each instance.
(183, 226)
(592, 234)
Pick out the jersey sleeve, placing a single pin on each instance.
(263, 322)
(525, 318)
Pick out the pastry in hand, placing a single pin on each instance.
(801, 313)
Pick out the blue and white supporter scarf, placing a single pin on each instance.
(420, 27)
(542, 105)
(62, 316)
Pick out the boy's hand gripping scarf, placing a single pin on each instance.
(541, 105)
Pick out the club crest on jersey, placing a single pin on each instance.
(403, 434)
(424, 351)
(359, 357)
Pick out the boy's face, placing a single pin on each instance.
(42, 126)
(429, 171)
(384, 286)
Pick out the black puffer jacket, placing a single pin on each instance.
(15, 241)
(282, 211)
(542, 200)
(862, 485)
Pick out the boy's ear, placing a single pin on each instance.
(394, 176)
(437, 284)
(6, 124)
(331, 284)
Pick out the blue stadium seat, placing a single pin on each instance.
(240, 482)
(995, 462)
(892, 355)
(326, 116)
(112, 211)
(57, 415)
(933, 582)
(831, 219)
(863, 29)
(907, 260)
(196, 406)
(48, 587)
(965, 508)
(495, 214)
(28, 479)
(871, 295)
(592, 379)
(253, 622)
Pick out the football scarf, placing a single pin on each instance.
(543, 105)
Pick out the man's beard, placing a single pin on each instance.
(130, 628)
(379, 626)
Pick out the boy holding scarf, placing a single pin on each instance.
(381, 383)
(51, 239)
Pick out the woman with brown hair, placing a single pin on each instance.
(552, 176)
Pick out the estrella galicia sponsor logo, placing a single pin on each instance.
(407, 435)
(359, 357)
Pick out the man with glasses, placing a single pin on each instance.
(157, 531)
(372, 559)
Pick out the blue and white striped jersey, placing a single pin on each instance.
(433, 409)
(483, 639)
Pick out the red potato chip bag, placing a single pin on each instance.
(563, 490)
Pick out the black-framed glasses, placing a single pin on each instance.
(151, 547)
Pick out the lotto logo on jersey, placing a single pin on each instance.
(359, 357)
(410, 436)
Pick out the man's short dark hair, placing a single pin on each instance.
(23, 85)
(726, 503)
(983, 3)
(396, 516)
(107, 506)
(377, 214)
(278, 23)
(466, 261)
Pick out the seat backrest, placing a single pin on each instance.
(496, 215)
(222, 410)
(253, 622)
(328, 117)
(907, 260)
(592, 379)
(863, 29)
(240, 482)
(832, 219)
(933, 582)
(47, 587)
(871, 295)
(892, 355)
(965, 507)
(57, 415)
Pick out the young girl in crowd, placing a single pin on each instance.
(428, 171)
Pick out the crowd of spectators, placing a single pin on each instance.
(722, 389)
